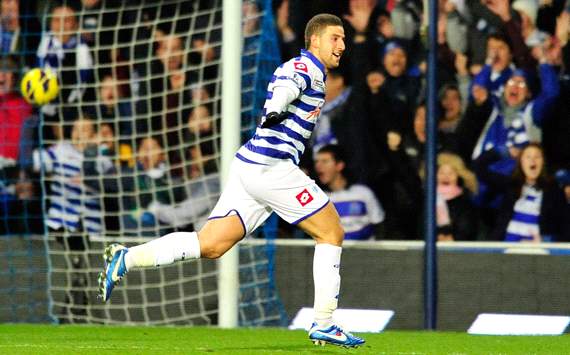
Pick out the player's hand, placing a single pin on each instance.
(273, 119)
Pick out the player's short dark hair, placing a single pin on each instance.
(318, 23)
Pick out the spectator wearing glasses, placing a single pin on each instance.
(507, 124)
(511, 121)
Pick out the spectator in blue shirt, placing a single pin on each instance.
(359, 210)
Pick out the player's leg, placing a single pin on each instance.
(213, 240)
(216, 237)
(324, 226)
(298, 200)
(235, 214)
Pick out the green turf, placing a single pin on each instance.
(46, 339)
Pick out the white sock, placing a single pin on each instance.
(326, 275)
(164, 250)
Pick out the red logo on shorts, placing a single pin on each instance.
(301, 66)
(304, 197)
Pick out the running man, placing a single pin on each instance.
(265, 177)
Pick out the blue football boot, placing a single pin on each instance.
(114, 271)
(333, 335)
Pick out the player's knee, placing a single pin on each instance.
(338, 234)
(333, 235)
(211, 251)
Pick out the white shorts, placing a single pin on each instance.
(254, 191)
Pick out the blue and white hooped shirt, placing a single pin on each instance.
(525, 221)
(306, 76)
(359, 211)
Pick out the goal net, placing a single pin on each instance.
(130, 151)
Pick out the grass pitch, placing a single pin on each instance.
(51, 339)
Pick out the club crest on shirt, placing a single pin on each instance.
(319, 85)
(298, 79)
(301, 66)
(304, 197)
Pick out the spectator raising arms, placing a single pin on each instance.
(511, 121)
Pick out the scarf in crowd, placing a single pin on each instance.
(444, 194)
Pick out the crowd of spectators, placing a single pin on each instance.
(127, 148)
(130, 144)
(134, 128)
(503, 97)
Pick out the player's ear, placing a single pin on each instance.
(315, 40)
(340, 165)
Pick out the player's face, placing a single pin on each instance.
(532, 162)
(330, 46)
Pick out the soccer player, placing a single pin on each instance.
(265, 177)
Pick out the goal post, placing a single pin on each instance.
(155, 98)
(228, 281)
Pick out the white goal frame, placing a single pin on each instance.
(228, 279)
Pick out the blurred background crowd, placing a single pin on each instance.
(131, 144)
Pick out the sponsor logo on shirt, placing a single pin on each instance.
(314, 114)
(304, 197)
(301, 66)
